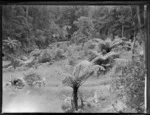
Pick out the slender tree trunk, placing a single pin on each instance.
(82, 104)
(144, 38)
(27, 8)
(75, 97)
(133, 45)
(140, 29)
(145, 50)
(122, 30)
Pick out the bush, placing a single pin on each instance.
(130, 84)
(58, 54)
(90, 45)
(31, 78)
(66, 106)
(72, 61)
(35, 52)
(64, 46)
(75, 51)
(45, 56)
(78, 38)
(90, 55)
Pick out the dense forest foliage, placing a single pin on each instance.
(28, 27)
(110, 37)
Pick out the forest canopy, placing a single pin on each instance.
(37, 26)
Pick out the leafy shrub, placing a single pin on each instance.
(91, 55)
(35, 52)
(80, 74)
(9, 69)
(49, 55)
(130, 84)
(75, 51)
(90, 45)
(64, 47)
(78, 38)
(72, 61)
(66, 105)
(31, 78)
(44, 57)
(30, 48)
(59, 54)
(22, 68)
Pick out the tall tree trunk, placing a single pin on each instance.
(27, 8)
(144, 38)
(27, 23)
(75, 97)
(145, 55)
(133, 45)
(122, 30)
(140, 28)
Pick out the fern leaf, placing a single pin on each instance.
(68, 80)
(85, 76)
(110, 55)
(76, 71)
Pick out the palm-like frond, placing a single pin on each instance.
(122, 61)
(105, 57)
(80, 75)
(110, 55)
(36, 52)
(93, 53)
(77, 71)
(27, 61)
(100, 67)
(109, 44)
(108, 40)
(11, 43)
(98, 40)
(67, 79)
(85, 75)
(81, 67)
(116, 43)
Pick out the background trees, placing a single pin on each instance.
(41, 25)
(74, 33)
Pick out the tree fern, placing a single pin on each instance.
(11, 44)
(77, 78)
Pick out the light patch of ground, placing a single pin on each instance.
(50, 98)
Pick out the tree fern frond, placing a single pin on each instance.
(121, 60)
(64, 75)
(98, 40)
(69, 81)
(84, 77)
(116, 43)
(100, 67)
(11, 43)
(76, 71)
(108, 40)
(110, 55)
(93, 52)
(100, 57)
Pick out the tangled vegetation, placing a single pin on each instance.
(91, 41)
(129, 84)
(32, 79)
